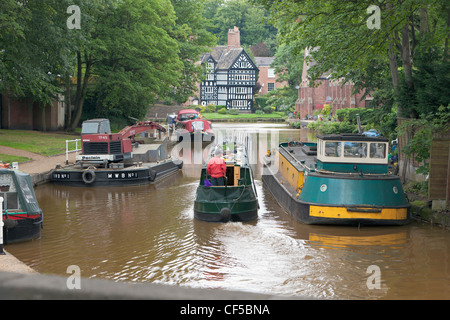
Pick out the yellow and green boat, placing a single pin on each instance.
(237, 200)
(340, 179)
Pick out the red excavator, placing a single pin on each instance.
(100, 146)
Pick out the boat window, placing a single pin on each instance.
(378, 150)
(187, 116)
(355, 149)
(11, 202)
(333, 149)
(197, 125)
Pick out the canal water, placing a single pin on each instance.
(149, 234)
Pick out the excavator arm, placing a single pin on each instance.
(139, 127)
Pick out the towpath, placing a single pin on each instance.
(38, 162)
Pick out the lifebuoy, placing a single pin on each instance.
(88, 176)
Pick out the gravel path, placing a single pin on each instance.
(39, 163)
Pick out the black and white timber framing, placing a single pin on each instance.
(230, 78)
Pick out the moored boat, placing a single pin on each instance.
(117, 158)
(197, 129)
(236, 200)
(188, 114)
(341, 179)
(21, 214)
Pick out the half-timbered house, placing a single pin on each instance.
(230, 75)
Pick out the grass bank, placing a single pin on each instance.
(45, 143)
(243, 116)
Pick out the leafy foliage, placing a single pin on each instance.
(423, 130)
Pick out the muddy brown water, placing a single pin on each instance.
(148, 234)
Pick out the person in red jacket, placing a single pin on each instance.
(217, 169)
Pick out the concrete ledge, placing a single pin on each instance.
(47, 287)
(9, 263)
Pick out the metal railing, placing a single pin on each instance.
(75, 150)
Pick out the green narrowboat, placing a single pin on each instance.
(341, 179)
(21, 215)
(237, 199)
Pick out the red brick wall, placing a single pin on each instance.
(24, 114)
(312, 98)
(17, 114)
(264, 79)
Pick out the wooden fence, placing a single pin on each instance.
(439, 179)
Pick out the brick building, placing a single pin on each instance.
(267, 77)
(326, 91)
(26, 114)
(230, 77)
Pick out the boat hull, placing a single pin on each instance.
(22, 229)
(309, 212)
(75, 176)
(219, 217)
(222, 204)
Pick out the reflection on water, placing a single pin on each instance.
(148, 234)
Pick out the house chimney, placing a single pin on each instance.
(234, 38)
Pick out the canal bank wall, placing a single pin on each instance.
(35, 286)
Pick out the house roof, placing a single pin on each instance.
(264, 61)
(223, 58)
(228, 58)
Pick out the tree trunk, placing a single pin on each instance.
(423, 21)
(393, 65)
(406, 57)
(68, 103)
(407, 62)
(81, 90)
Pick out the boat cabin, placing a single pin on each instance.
(238, 171)
(188, 114)
(21, 212)
(352, 153)
(17, 192)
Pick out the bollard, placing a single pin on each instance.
(1, 227)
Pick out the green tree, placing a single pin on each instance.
(343, 43)
(193, 40)
(31, 65)
(128, 55)
(252, 21)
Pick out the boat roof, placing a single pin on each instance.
(196, 120)
(24, 187)
(351, 137)
(188, 111)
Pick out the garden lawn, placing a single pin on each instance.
(246, 116)
(45, 143)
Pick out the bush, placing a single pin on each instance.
(327, 127)
(211, 108)
(268, 109)
(233, 111)
(259, 112)
(261, 102)
(222, 111)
